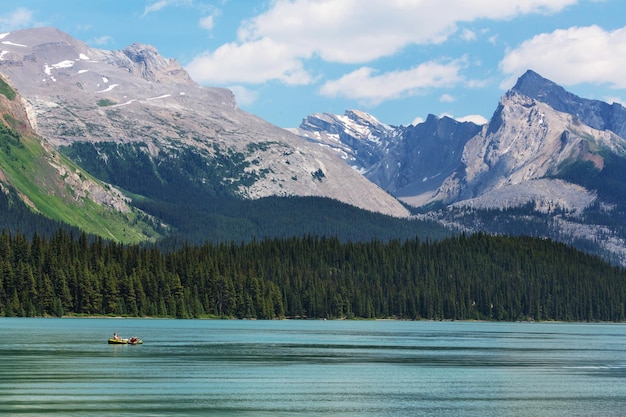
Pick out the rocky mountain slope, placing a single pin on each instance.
(544, 149)
(359, 138)
(410, 162)
(142, 102)
(528, 140)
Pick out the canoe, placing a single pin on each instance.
(131, 341)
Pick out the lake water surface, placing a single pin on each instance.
(311, 368)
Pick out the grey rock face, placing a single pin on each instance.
(425, 156)
(594, 113)
(527, 140)
(410, 162)
(358, 137)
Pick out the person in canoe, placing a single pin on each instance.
(116, 337)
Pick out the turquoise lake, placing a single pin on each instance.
(65, 367)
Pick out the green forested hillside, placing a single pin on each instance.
(197, 196)
(475, 277)
(230, 219)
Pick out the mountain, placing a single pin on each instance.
(548, 163)
(138, 122)
(526, 141)
(125, 145)
(594, 113)
(407, 161)
(359, 138)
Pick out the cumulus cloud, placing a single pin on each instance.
(571, 56)
(346, 31)
(280, 44)
(253, 62)
(20, 18)
(367, 86)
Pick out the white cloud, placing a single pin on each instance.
(571, 56)
(20, 18)
(617, 100)
(102, 40)
(156, 6)
(367, 86)
(345, 31)
(207, 22)
(474, 118)
(468, 35)
(417, 121)
(254, 62)
(244, 96)
(447, 98)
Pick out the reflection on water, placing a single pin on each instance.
(284, 368)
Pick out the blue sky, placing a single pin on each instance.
(396, 59)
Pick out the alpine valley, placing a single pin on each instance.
(123, 144)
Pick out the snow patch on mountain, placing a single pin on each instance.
(124, 104)
(14, 44)
(64, 64)
(109, 88)
(159, 97)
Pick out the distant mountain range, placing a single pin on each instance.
(548, 163)
(124, 144)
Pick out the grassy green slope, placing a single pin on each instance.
(25, 164)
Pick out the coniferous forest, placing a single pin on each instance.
(465, 277)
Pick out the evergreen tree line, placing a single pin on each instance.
(464, 277)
